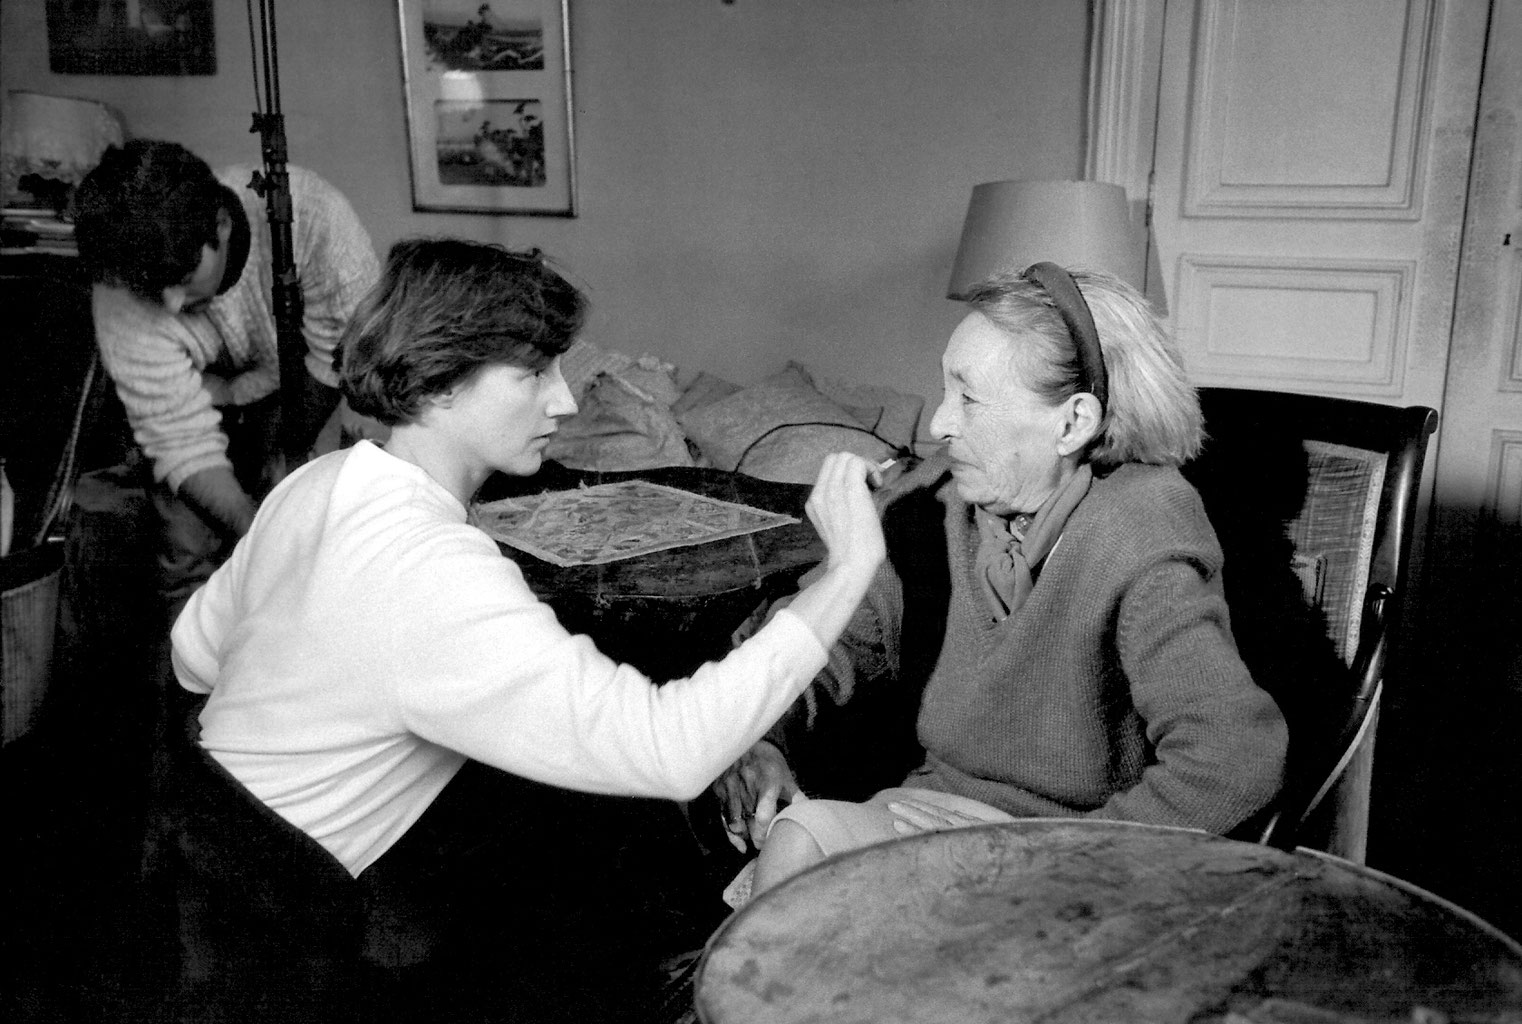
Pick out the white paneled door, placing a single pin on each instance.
(1477, 532)
(1304, 165)
(1472, 611)
(1335, 193)
(1310, 170)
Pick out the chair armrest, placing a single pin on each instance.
(1301, 797)
(1368, 664)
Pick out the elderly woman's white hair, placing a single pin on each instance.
(1153, 413)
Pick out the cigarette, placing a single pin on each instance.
(876, 479)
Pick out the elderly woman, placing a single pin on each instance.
(1086, 665)
(378, 672)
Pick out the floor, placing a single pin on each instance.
(1447, 802)
(74, 803)
(74, 788)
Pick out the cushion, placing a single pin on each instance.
(780, 428)
(703, 389)
(624, 421)
(890, 413)
(583, 361)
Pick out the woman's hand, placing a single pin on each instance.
(842, 510)
(911, 817)
(749, 792)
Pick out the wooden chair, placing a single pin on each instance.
(1314, 499)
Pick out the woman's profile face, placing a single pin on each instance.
(1002, 436)
(502, 417)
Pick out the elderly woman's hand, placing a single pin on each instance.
(911, 817)
(749, 792)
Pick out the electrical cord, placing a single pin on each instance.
(899, 451)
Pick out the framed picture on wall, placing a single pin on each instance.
(131, 37)
(489, 106)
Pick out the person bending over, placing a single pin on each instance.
(183, 269)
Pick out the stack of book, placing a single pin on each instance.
(35, 229)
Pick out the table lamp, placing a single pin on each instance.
(1012, 224)
(48, 144)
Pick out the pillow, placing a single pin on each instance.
(889, 413)
(583, 361)
(779, 429)
(701, 390)
(624, 422)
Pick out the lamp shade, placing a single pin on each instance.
(1012, 224)
(55, 138)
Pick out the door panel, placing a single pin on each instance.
(1339, 322)
(1478, 467)
(1471, 622)
(1319, 114)
(1317, 225)
(1304, 159)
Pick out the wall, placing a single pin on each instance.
(758, 180)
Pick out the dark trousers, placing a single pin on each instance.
(518, 901)
(189, 547)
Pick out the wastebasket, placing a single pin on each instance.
(29, 582)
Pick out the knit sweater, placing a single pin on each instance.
(172, 371)
(363, 640)
(1115, 691)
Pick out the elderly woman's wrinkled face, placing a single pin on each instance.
(1003, 438)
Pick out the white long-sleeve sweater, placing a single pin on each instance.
(363, 640)
(172, 371)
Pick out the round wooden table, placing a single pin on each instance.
(1088, 921)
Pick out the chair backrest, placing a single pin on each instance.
(1314, 499)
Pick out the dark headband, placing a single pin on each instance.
(1059, 284)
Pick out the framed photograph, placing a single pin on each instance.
(489, 106)
(139, 37)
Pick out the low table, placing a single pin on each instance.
(668, 612)
(1090, 921)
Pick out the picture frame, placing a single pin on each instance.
(489, 121)
(148, 37)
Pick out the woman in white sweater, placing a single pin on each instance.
(365, 642)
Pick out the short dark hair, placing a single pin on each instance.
(444, 308)
(142, 216)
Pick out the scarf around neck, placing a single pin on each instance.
(1010, 550)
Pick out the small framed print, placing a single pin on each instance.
(143, 37)
(489, 106)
